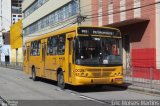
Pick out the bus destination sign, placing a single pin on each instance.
(98, 31)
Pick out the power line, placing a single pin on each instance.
(114, 7)
(106, 14)
(80, 18)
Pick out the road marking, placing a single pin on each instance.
(92, 99)
(59, 89)
(83, 97)
(73, 93)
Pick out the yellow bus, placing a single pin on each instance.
(76, 55)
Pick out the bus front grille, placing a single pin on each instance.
(97, 73)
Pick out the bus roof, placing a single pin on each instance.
(56, 32)
(61, 31)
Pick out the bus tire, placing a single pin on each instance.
(34, 78)
(60, 80)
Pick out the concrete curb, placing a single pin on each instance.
(137, 88)
(147, 90)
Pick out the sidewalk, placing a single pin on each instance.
(16, 66)
(135, 84)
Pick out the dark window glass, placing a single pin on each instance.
(98, 51)
(61, 44)
(56, 45)
(35, 48)
(52, 45)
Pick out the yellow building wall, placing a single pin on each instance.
(19, 55)
(13, 55)
(16, 35)
(16, 42)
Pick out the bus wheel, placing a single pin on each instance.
(34, 78)
(61, 82)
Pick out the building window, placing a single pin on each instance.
(53, 18)
(52, 45)
(35, 48)
(19, 15)
(34, 7)
(14, 15)
(56, 45)
(61, 44)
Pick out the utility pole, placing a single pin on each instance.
(80, 18)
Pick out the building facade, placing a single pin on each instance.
(43, 16)
(40, 16)
(6, 50)
(16, 42)
(5, 22)
(138, 21)
(16, 10)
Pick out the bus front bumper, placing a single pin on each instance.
(94, 81)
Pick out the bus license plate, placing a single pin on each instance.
(118, 79)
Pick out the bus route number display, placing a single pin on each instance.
(98, 31)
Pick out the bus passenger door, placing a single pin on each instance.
(70, 56)
(43, 59)
(26, 62)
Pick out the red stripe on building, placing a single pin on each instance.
(146, 73)
(144, 52)
(149, 13)
(95, 6)
(104, 12)
(129, 5)
(143, 57)
(116, 10)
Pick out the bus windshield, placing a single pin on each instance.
(97, 51)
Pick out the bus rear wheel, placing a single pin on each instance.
(34, 78)
(60, 80)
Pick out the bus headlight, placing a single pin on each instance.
(82, 74)
(115, 74)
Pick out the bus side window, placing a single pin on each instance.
(38, 47)
(35, 48)
(48, 46)
(31, 50)
(52, 46)
(61, 44)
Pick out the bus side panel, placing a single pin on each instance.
(26, 59)
(35, 62)
(69, 66)
(51, 67)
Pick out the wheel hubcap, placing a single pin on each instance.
(61, 79)
(33, 75)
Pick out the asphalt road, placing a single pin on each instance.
(16, 85)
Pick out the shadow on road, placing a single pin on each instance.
(97, 88)
(90, 88)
